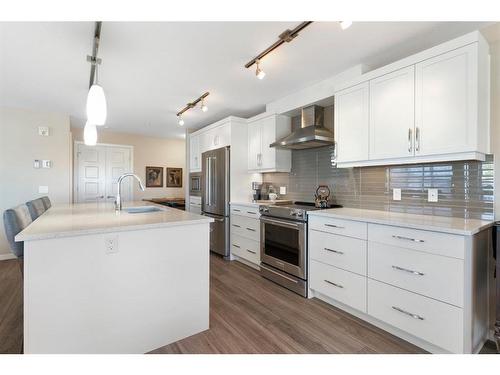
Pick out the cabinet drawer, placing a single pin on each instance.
(339, 251)
(450, 245)
(434, 276)
(433, 321)
(252, 212)
(349, 228)
(245, 248)
(343, 286)
(245, 227)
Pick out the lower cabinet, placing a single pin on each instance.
(245, 234)
(428, 287)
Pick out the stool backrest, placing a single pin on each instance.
(14, 221)
(46, 202)
(36, 208)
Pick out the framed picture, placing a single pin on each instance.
(174, 177)
(154, 176)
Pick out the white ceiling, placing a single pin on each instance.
(151, 70)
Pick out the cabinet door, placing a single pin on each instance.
(446, 103)
(392, 114)
(254, 143)
(223, 135)
(194, 153)
(268, 136)
(351, 123)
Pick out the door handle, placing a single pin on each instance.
(334, 251)
(418, 273)
(414, 316)
(334, 284)
(251, 251)
(409, 140)
(417, 139)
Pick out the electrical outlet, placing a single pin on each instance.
(432, 195)
(43, 131)
(111, 244)
(43, 190)
(282, 190)
(47, 163)
(396, 194)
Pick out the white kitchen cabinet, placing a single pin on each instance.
(245, 235)
(351, 123)
(392, 114)
(446, 103)
(263, 130)
(217, 137)
(429, 107)
(428, 287)
(194, 153)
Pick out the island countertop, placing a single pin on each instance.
(444, 224)
(76, 219)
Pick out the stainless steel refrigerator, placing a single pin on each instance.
(215, 197)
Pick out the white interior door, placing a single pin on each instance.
(91, 164)
(97, 170)
(118, 163)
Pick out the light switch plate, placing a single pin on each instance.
(282, 190)
(432, 195)
(43, 190)
(37, 164)
(43, 131)
(47, 163)
(396, 194)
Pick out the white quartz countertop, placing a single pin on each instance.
(67, 220)
(443, 224)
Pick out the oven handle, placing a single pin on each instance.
(279, 274)
(282, 223)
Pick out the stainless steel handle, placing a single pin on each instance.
(334, 226)
(250, 229)
(251, 212)
(207, 183)
(407, 238)
(110, 196)
(279, 274)
(238, 246)
(408, 270)
(409, 140)
(414, 316)
(236, 225)
(251, 251)
(100, 197)
(417, 139)
(332, 283)
(334, 251)
(236, 210)
(282, 223)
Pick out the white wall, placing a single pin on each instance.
(148, 151)
(20, 145)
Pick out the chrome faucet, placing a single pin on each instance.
(118, 200)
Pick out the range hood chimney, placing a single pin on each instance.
(311, 134)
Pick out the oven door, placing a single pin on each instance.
(195, 184)
(283, 245)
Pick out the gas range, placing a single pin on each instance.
(296, 211)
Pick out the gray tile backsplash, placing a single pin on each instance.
(465, 187)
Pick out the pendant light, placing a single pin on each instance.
(96, 102)
(90, 134)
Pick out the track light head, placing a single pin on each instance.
(181, 121)
(204, 107)
(259, 72)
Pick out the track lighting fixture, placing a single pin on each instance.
(188, 106)
(96, 107)
(345, 24)
(259, 72)
(286, 36)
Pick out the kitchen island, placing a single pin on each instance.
(98, 280)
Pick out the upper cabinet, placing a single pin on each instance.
(194, 153)
(217, 137)
(351, 123)
(392, 114)
(262, 131)
(429, 107)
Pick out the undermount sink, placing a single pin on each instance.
(141, 209)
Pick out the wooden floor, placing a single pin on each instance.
(248, 314)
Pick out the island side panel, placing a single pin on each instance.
(80, 298)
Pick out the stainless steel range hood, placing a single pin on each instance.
(311, 134)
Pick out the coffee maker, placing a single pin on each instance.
(256, 191)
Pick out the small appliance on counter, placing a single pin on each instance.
(256, 191)
(321, 197)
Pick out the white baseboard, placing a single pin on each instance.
(7, 256)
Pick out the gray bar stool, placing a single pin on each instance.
(36, 207)
(46, 202)
(15, 220)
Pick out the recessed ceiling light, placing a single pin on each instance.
(345, 24)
